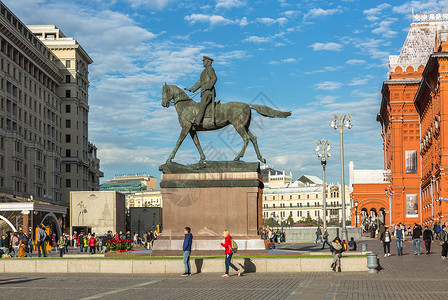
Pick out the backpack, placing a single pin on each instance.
(344, 246)
(233, 246)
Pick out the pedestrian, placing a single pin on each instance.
(438, 229)
(75, 240)
(399, 236)
(409, 230)
(416, 233)
(427, 238)
(29, 245)
(86, 242)
(15, 243)
(3, 244)
(352, 244)
(92, 244)
(186, 248)
(325, 237)
(443, 240)
(135, 239)
(21, 251)
(229, 253)
(61, 245)
(41, 235)
(385, 239)
(319, 235)
(336, 252)
(81, 241)
(392, 230)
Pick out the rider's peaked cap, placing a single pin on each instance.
(207, 58)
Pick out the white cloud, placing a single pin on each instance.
(376, 10)
(283, 61)
(328, 85)
(257, 39)
(384, 28)
(229, 3)
(355, 62)
(211, 19)
(326, 46)
(243, 21)
(326, 99)
(324, 69)
(320, 12)
(359, 81)
(270, 21)
(150, 4)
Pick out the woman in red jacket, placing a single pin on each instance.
(228, 252)
(92, 244)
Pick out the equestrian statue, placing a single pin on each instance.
(210, 115)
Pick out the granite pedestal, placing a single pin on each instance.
(210, 198)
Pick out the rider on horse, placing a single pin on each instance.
(207, 85)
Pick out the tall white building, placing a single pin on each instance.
(284, 198)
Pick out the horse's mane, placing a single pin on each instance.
(178, 92)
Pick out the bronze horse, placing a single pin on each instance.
(236, 113)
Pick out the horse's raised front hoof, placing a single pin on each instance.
(262, 160)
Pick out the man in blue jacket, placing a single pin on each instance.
(188, 240)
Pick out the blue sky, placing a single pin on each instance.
(314, 58)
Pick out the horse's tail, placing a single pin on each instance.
(269, 112)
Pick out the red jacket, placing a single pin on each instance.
(227, 245)
(92, 242)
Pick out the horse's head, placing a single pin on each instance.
(166, 96)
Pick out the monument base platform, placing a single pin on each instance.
(209, 198)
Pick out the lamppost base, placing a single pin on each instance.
(344, 234)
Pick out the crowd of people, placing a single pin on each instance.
(272, 237)
(19, 244)
(417, 234)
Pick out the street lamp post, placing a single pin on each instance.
(356, 213)
(340, 122)
(323, 148)
(389, 195)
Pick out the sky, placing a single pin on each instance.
(313, 58)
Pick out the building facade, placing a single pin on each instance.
(140, 190)
(412, 115)
(301, 199)
(44, 148)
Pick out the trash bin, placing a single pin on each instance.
(372, 262)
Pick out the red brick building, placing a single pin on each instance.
(414, 120)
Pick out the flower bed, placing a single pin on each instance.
(113, 245)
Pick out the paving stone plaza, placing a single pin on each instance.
(405, 277)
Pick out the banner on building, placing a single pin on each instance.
(411, 162)
(412, 206)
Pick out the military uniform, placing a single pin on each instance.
(207, 85)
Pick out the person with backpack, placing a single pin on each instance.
(230, 247)
(336, 251)
(416, 233)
